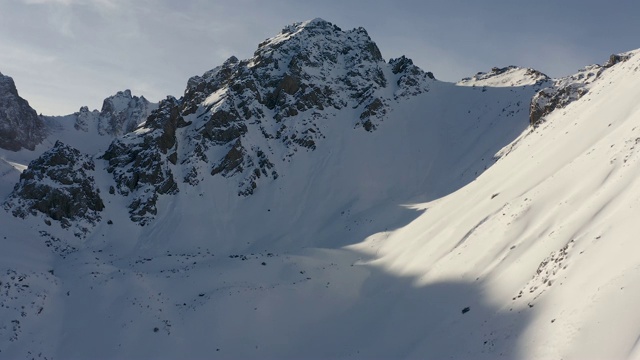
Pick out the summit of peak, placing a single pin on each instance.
(7, 84)
(309, 24)
(315, 22)
(122, 112)
(312, 30)
(20, 126)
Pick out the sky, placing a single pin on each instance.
(64, 54)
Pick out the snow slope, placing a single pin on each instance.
(547, 233)
(453, 230)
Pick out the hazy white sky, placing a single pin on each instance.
(64, 54)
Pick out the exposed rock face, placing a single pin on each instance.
(84, 117)
(556, 97)
(141, 163)
(569, 89)
(563, 92)
(122, 113)
(20, 126)
(243, 118)
(617, 58)
(410, 77)
(60, 185)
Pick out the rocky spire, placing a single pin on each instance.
(122, 113)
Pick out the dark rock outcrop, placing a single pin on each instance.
(569, 89)
(20, 126)
(549, 99)
(410, 78)
(84, 118)
(60, 185)
(122, 113)
(616, 59)
(141, 163)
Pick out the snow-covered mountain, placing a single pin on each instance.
(317, 201)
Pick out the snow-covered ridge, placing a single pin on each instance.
(506, 76)
(561, 92)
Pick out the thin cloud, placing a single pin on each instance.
(106, 4)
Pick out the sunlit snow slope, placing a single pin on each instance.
(547, 237)
(452, 230)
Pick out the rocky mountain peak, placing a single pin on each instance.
(20, 126)
(7, 86)
(122, 112)
(310, 39)
(307, 70)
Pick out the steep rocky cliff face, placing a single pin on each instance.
(140, 162)
(59, 185)
(122, 113)
(20, 126)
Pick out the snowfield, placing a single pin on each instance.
(454, 230)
